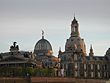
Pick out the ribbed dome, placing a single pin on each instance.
(42, 46)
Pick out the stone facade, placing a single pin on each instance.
(75, 61)
(16, 58)
(43, 52)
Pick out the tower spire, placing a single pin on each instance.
(42, 34)
(91, 54)
(60, 50)
(74, 16)
(91, 49)
(91, 46)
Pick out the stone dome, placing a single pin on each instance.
(42, 46)
(75, 43)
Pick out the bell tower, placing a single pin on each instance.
(74, 28)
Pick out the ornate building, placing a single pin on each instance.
(43, 52)
(16, 58)
(75, 51)
(75, 61)
(75, 41)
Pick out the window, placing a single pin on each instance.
(76, 73)
(75, 26)
(76, 65)
(98, 66)
(84, 66)
(104, 74)
(105, 67)
(85, 74)
(92, 74)
(91, 66)
(99, 74)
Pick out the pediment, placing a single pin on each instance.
(12, 59)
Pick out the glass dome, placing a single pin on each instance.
(43, 44)
(42, 47)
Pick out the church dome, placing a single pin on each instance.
(42, 47)
(75, 43)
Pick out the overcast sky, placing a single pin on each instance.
(23, 20)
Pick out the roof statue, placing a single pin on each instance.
(42, 34)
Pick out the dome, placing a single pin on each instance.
(75, 43)
(42, 46)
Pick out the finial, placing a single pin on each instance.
(91, 46)
(91, 51)
(74, 15)
(59, 48)
(74, 20)
(42, 34)
(59, 51)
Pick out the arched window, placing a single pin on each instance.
(91, 66)
(98, 66)
(92, 74)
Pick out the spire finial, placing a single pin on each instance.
(59, 48)
(91, 51)
(74, 18)
(91, 46)
(74, 15)
(42, 34)
(59, 51)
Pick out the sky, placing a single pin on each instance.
(23, 20)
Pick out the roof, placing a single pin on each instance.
(43, 44)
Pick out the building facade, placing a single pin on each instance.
(43, 52)
(16, 58)
(75, 61)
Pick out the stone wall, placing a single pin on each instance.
(64, 80)
(13, 80)
(49, 80)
